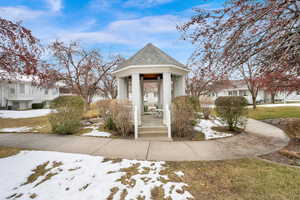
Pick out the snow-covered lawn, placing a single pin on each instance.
(17, 129)
(21, 129)
(24, 114)
(51, 175)
(205, 126)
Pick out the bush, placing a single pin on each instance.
(104, 108)
(232, 110)
(146, 108)
(37, 105)
(117, 115)
(183, 116)
(206, 104)
(122, 117)
(69, 110)
(193, 101)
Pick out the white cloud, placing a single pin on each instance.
(150, 24)
(100, 4)
(129, 32)
(19, 13)
(92, 37)
(145, 3)
(55, 5)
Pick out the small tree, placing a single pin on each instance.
(81, 70)
(232, 110)
(279, 81)
(66, 118)
(252, 77)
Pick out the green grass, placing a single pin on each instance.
(245, 179)
(261, 113)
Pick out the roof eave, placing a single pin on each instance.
(145, 66)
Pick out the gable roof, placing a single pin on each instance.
(150, 55)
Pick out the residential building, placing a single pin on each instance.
(239, 88)
(20, 93)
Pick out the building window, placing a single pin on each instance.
(243, 93)
(22, 88)
(298, 93)
(46, 91)
(232, 93)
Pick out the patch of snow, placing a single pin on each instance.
(179, 173)
(205, 126)
(16, 129)
(24, 113)
(82, 177)
(96, 133)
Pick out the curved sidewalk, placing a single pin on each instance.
(261, 138)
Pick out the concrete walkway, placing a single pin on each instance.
(261, 138)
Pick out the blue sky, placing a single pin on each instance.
(113, 26)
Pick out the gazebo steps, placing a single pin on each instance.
(153, 133)
(153, 128)
(156, 138)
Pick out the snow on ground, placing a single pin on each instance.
(24, 113)
(95, 132)
(205, 126)
(16, 129)
(179, 173)
(278, 105)
(76, 176)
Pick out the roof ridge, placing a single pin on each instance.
(150, 54)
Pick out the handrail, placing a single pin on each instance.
(168, 120)
(136, 122)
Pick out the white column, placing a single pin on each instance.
(161, 94)
(158, 91)
(127, 88)
(142, 94)
(167, 86)
(121, 88)
(179, 86)
(136, 93)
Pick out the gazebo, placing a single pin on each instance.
(150, 64)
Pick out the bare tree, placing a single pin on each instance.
(108, 85)
(243, 29)
(81, 70)
(278, 81)
(201, 82)
(19, 50)
(252, 77)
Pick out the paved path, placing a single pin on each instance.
(261, 138)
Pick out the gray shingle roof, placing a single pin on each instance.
(151, 55)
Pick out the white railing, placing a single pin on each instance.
(168, 120)
(136, 122)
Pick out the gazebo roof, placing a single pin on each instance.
(150, 55)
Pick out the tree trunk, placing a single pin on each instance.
(254, 102)
(273, 98)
